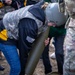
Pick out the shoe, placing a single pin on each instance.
(1, 68)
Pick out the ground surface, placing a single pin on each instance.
(39, 69)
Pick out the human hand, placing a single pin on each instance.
(51, 24)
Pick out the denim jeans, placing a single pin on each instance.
(11, 55)
(58, 52)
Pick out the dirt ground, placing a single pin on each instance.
(39, 70)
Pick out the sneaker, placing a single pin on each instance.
(1, 68)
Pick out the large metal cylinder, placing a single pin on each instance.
(36, 53)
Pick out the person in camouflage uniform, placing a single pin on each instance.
(69, 43)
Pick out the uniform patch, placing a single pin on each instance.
(30, 39)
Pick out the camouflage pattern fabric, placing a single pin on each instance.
(69, 63)
(4, 10)
(70, 7)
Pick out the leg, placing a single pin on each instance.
(27, 35)
(69, 62)
(59, 52)
(12, 58)
(46, 61)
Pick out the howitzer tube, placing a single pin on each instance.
(36, 53)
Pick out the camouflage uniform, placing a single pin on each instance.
(4, 7)
(69, 44)
(4, 10)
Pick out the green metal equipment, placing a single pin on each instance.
(36, 53)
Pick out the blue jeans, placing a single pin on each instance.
(58, 52)
(11, 55)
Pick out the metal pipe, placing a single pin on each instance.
(36, 53)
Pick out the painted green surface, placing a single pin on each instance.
(36, 53)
